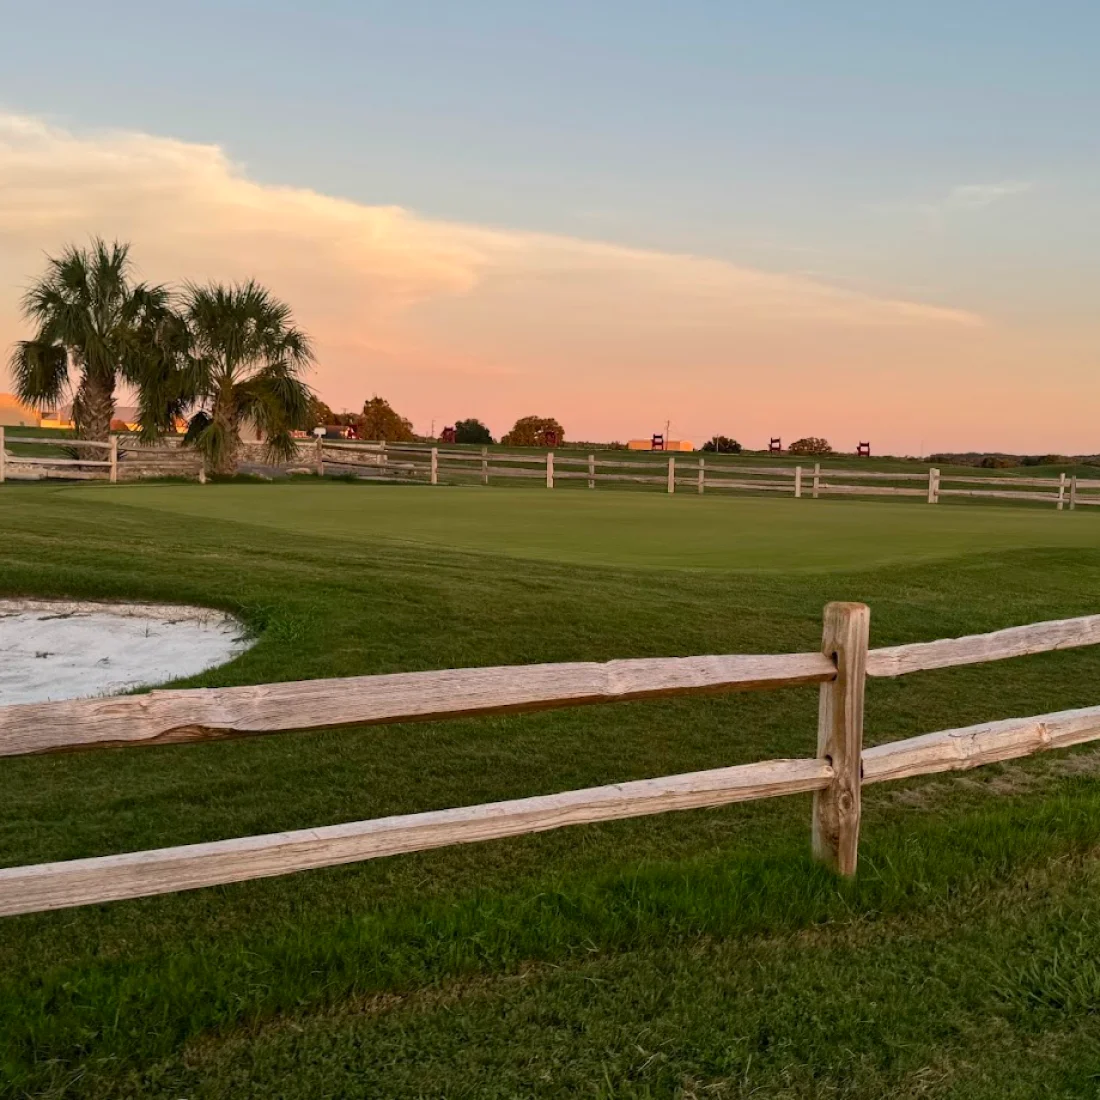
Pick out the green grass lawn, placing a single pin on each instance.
(691, 954)
(648, 530)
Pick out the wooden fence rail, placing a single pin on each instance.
(836, 775)
(128, 459)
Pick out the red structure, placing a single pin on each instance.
(775, 446)
(550, 438)
(448, 436)
(864, 450)
(657, 443)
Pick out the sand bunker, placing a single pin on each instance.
(51, 649)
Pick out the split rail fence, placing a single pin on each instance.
(835, 774)
(681, 472)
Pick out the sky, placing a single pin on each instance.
(862, 221)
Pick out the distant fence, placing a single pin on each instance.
(836, 774)
(126, 458)
(684, 473)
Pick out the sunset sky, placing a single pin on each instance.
(857, 220)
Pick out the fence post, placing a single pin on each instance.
(1061, 490)
(435, 466)
(385, 459)
(484, 465)
(702, 474)
(672, 473)
(1073, 492)
(933, 485)
(797, 482)
(113, 454)
(320, 459)
(817, 479)
(3, 456)
(840, 736)
(549, 469)
(591, 471)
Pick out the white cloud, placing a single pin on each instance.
(426, 310)
(977, 196)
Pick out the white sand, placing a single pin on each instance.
(53, 649)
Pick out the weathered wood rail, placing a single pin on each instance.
(836, 775)
(679, 471)
(129, 459)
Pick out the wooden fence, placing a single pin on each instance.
(683, 472)
(122, 458)
(128, 459)
(836, 774)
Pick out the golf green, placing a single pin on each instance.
(624, 528)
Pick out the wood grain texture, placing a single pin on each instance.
(869, 490)
(201, 713)
(837, 807)
(973, 746)
(167, 870)
(36, 460)
(67, 442)
(1015, 641)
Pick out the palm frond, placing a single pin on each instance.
(39, 371)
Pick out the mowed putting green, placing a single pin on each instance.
(625, 528)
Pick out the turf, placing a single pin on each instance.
(648, 530)
(695, 954)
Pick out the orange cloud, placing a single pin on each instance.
(452, 320)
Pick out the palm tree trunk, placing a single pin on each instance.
(94, 407)
(224, 462)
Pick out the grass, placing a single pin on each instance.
(642, 530)
(696, 954)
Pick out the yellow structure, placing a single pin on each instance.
(670, 445)
(14, 414)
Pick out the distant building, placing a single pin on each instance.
(670, 445)
(14, 414)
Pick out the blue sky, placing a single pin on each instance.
(942, 152)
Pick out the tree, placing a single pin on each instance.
(317, 415)
(245, 361)
(723, 445)
(93, 322)
(811, 445)
(530, 431)
(380, 421)
(472, 431)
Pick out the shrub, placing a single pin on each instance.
(723, 445)
(472, 431)
(811, 445)
(530, 431)
(997, 462)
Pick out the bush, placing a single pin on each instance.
(530, 431)
(811, 445)
(998, 462)
(723, 445)
(472, 431)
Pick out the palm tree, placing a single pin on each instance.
(245, 364)
(93, 322)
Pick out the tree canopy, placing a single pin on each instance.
(723, 445)
(380, 421)
(531, 431)
(472, 431)
(811, 445)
